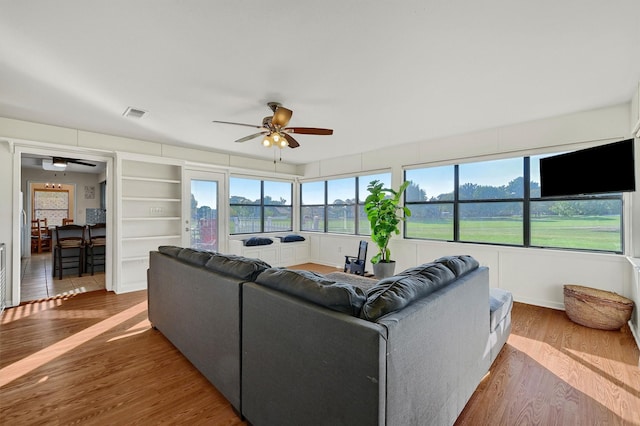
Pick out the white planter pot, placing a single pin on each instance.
(384, 269)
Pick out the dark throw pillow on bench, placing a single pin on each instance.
(291, 238)
(257, 241)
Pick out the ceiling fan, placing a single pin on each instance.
(63, 161)
(275, 131)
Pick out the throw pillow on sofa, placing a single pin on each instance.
(460, 265)
(240, 267)
(172, 251)
(394, 293)
(196, 257)
(315, 288)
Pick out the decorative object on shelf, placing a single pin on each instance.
(275, 130)
(385, 213)
(596, 308)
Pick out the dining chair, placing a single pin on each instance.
(40, 236)
(96, 246)
(67, 221)
(69, 249)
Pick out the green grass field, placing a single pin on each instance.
(579, 232)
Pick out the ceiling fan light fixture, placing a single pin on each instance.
(268, 141)
(59, 162)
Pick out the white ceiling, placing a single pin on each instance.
(377, 72)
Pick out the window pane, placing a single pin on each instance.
(341, 191)
(312, 193)
(277, 193)
(499, 223)
(364, 227)
(432, 221)
(277, 218)
(587, 224)
(363, 182)
(312, 218)
(341, 218)
(430, 184)
(491, 180)
(244, 219)
(204, 215)
(244, 191)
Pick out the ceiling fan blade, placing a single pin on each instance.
(238, 124)
(248, 138)
(74, 161)
(291, 141)
(281, 116)
(308, 130)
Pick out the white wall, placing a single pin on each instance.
(534, 276)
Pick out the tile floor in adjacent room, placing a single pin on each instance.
(38, 283)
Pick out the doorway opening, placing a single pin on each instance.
(75, 193)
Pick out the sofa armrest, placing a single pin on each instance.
(437, 354)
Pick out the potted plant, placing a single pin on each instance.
(384, 212)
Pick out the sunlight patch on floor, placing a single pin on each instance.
(37, 359)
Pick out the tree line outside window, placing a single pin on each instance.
(258, 206)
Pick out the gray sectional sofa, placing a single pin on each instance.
(292, 347)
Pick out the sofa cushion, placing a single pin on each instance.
(240, 267)
(172, 251)
(291, 238)
(315, 288)
(500, 304)
(460, 265)
(195, 257)
(257, 241)
(394, 293)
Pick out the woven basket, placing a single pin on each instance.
(595, 308)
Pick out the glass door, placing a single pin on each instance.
(202, 210)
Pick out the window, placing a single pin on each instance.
(337, 205)
(259, 206)
(341, 206)
(498, 202)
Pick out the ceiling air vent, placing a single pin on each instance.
(134, 112)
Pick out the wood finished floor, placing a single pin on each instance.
(92, 358)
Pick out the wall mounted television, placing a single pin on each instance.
(597, 170)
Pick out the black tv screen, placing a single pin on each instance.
(598, 170)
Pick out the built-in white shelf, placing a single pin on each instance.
(150, 210)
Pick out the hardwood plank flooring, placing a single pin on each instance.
(92, 358)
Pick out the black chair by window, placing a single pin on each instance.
(96, 246)
(356, 264)
(68, 252)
